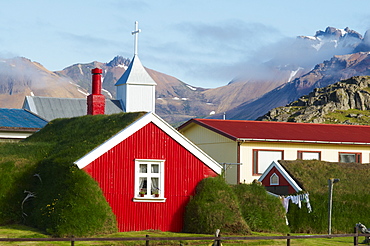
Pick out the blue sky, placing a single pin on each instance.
(203, 43)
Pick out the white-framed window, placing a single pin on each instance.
(263, 158)
(149, 180)
(274, 179)
(309, 155)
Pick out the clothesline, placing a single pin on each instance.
(296, 199)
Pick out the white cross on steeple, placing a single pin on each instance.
(136, 32)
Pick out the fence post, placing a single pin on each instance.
(147, 241)
(73, 240)
(217, 242)
(355, 238)
(288, 240)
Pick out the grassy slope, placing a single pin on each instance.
(341, 116)
(351, 200)
(67, 201)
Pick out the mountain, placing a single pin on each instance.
(287, 60)
(345, 102)
(20, 77)
(176, 100)
(293, 68)
(326, 73)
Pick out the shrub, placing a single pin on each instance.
(214, 206)
(68, 202)
(350, 196)
(262, 212)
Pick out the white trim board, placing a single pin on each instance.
(137, 125)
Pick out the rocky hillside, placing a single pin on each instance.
(345, 102)
(324, 74)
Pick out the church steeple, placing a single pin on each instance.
(136, 89)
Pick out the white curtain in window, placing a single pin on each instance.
(154, 184)
(155, 168)
(310, 156)
(143, 168)
(142, 184)
(265, 158)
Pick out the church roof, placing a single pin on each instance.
(51, 108)
(136, 74)
(20, 118)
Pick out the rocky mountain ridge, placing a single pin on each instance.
(352, 93)
(338, 68)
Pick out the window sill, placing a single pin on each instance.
(149, 199)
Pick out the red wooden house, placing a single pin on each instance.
(148, 172)
(278, 181)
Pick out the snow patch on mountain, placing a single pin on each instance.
(79, 67)
(191, 88)
(294, 73)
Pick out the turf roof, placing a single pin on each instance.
(73, 138)
(68, 201)
(313, 175)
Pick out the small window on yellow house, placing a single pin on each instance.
(309, 155)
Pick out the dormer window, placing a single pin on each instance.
(274, 179)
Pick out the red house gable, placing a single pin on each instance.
(278, 181)
(148, 147)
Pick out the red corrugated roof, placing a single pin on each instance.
(286, 131)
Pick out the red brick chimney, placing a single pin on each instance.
(96, 101)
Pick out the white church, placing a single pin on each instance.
(135, 92)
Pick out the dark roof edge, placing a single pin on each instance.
(21, 129)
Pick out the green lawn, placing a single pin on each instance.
(18, 231)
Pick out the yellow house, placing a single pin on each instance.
(247, 148)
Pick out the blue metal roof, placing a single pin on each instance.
(20, 118)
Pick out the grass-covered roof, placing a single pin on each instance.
(66, 201)
(351, 195)
(73, 138)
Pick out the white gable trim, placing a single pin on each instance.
(29, 104)
(137, 125)
(291, 181)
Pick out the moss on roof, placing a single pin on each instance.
(313, 175)
(73, 138)
(67, 201)
(351, 200)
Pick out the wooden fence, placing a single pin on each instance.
(217, 240)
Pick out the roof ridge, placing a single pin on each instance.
(281, 122)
